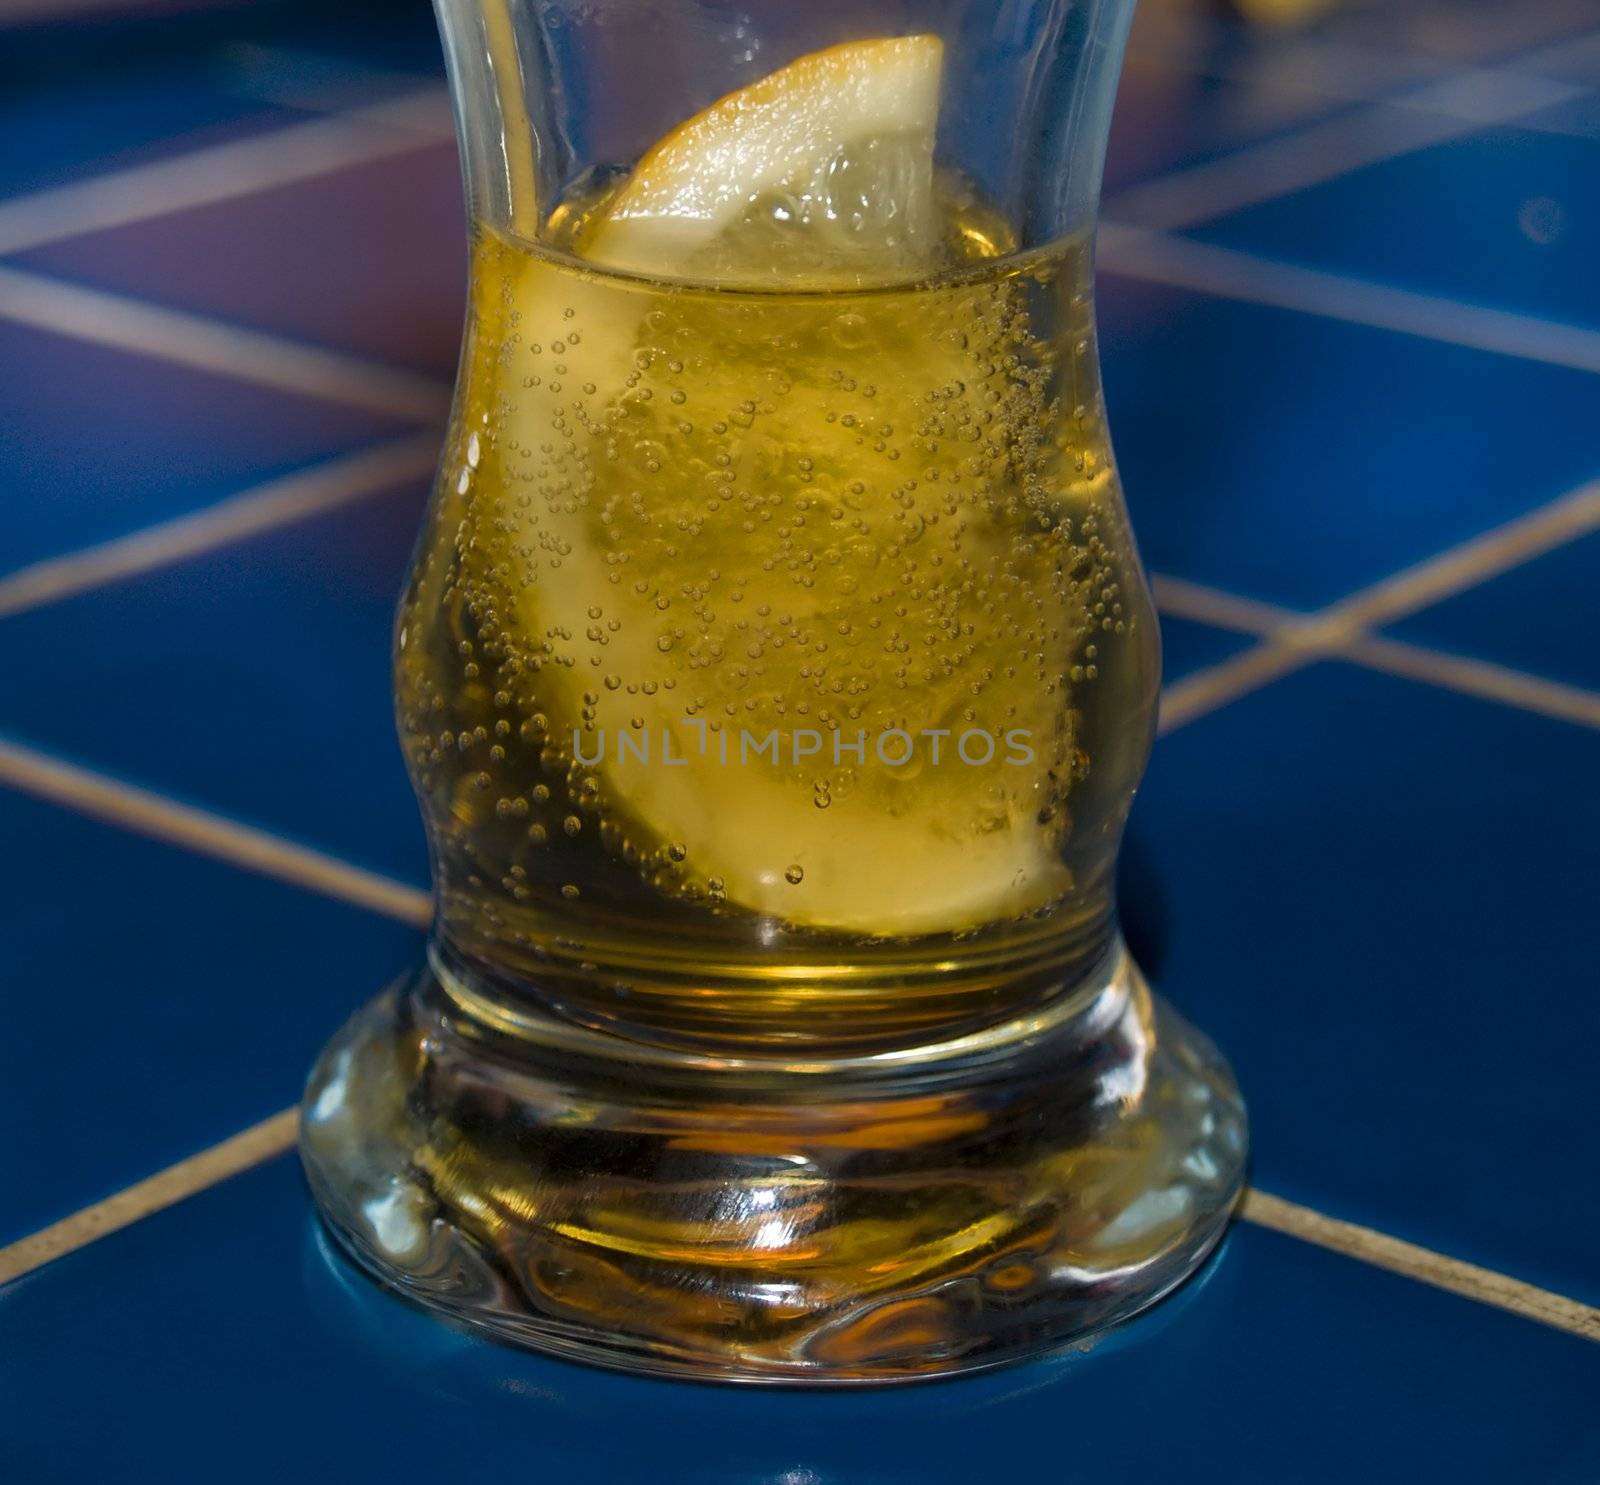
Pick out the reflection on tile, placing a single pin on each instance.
(101, 442)
(1377, 896)
(224, 1328)
(369, 259)
(168, 1002)
(1542, 617)
(253, 680)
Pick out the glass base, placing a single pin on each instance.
(872, 1219)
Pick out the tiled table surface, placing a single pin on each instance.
(1352, 348)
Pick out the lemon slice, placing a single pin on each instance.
(728, 516)
(836, 150)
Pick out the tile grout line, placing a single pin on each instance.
(1343, 625)
(1481, 678)
(242, 167)
(1467, 1280)
(166, 820)
(1222, 610)
(1227, 273)
(166, 1188)
(1204, 691)
(203, 343)
(280, 502)
(1472, 562)
(1372, 133)
(1464, 673)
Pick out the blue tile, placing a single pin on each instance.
(1378, 897)
(110, 120)
(168, 1002)
(1508, 218)
(1187, 646)
(1541, 617)
(370, 259)
(101, 442)
(1295, 459)
(252, 680)
(221, 1330)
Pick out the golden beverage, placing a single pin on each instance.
(776, 661)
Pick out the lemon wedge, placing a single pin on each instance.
(835, 150)
(726, 517)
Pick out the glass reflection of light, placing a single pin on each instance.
(331, 1099)
(1125, 1083)
(773, 1233)
(394, 1222)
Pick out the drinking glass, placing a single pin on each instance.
(775, 672)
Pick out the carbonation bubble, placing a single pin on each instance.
(850, 331)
